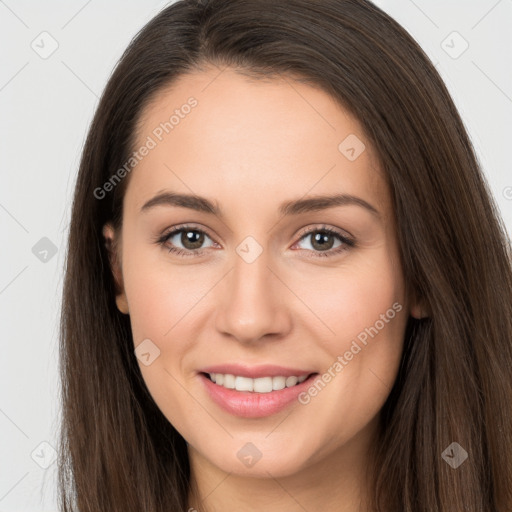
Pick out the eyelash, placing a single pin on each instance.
(347, 243)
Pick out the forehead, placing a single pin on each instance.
(218, 133)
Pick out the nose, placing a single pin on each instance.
(252, 302)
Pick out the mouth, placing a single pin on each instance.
(257, 397)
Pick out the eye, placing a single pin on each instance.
(322, 241)
(191, 238)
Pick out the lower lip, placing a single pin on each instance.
(247, 404)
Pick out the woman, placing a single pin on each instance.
(287, 285)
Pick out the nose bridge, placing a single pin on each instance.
(251, 304)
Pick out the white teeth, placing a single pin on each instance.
(291, 381)
(244, 384)
(259, 385)
(229, 381)
(278, 383)
(263, 385)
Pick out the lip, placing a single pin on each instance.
(246, 404)
(263, 370)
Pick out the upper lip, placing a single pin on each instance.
(263, 370)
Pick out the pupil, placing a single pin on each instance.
(320, 239)
(187, 239)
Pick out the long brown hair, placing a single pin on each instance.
(118, 452)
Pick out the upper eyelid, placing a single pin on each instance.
(179, 227)
(324, 227)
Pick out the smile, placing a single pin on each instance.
(255, 397)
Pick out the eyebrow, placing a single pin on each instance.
(294, 207)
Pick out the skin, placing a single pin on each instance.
(250, 145)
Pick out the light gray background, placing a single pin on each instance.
(46, 107)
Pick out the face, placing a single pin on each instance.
(260, 283)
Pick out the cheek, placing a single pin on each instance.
(365, 310)
(355, 296)
(367, 313)
(161, 295)
(163, 301)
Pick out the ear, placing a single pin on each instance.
(111, 244)
(419, 308)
